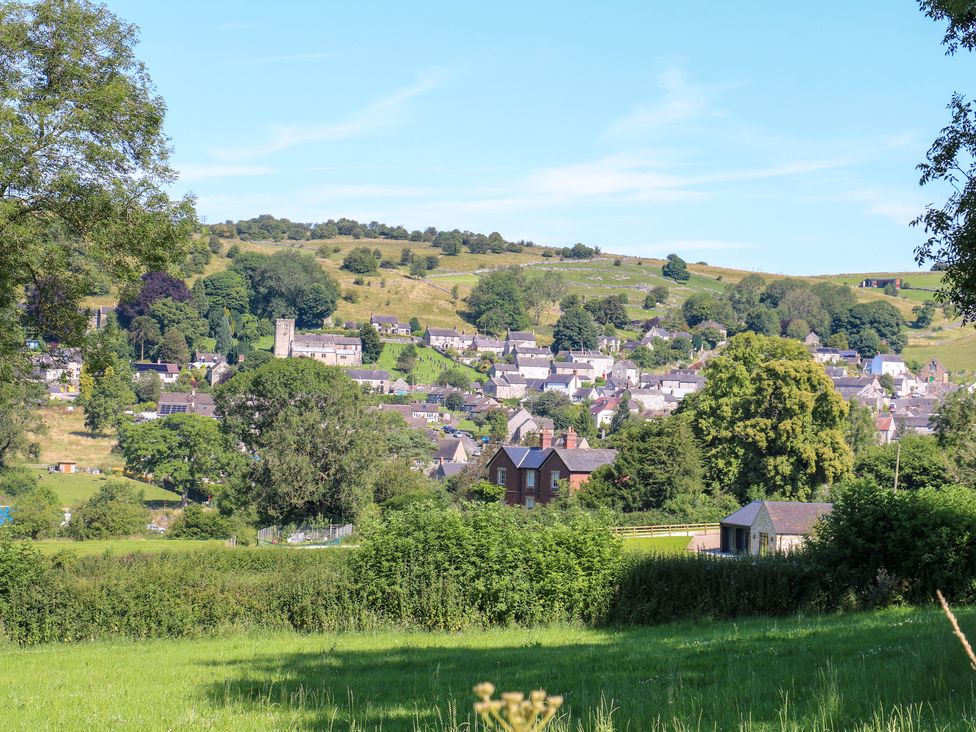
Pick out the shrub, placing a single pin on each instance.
(921, 541)
(487, 564)
(197, 523)
(17, 481)
(36, 514)
(116, 510)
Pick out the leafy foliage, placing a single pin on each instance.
(287, 284)
(116, 510)
(497, 303)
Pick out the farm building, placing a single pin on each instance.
(769, 526)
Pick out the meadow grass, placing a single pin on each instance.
(67, 438)
(892, 670)
(73, 488)
(657, 544)
(430, 363)
(125, 546)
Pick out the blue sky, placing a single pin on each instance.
(781, 141)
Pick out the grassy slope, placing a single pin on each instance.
(430, 363)
(867, 671)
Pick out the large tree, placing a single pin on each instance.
(372, 345)
(186, 451)
(769, 420)
(288, 284)
(575, 330)
(656, 461)
(951, 228)
(497, 303)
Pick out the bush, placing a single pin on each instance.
(197, 523)
(657, 588)
(36, 514)
(116, 510)
(880, 546)
(17, 481)
(488, 564)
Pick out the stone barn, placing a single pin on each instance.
(770, 526)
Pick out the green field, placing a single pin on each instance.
(73, 488)
(658, 544)
(430, 363)
(892, 670)
(125, 546)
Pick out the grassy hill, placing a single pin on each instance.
(393, 291)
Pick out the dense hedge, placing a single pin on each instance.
(419, 568)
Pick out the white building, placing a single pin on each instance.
(887, 363)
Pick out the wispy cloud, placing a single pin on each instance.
(681, 100)
(310, 56)
(199, 171)
(382, 114)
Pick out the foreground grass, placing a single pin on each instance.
(658, 544)
(891, 670)
(125, 546)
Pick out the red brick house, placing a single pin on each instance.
(532, 475)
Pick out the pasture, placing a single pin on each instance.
(891, 670)
(73, 488)
(657, 544)
(430, 363)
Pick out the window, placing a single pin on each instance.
(554, 480)
(529, 502)
(501, 477)
(530, 479)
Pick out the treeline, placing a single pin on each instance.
(267, 227)
(794, 308)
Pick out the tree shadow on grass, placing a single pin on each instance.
(814, 673)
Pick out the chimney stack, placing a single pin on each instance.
(570, 439)
(545, 438)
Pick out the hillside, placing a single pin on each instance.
(393, 291)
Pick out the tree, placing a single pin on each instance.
(185, 451)
(20, 421)
(769, 420)
(543, 292)
(316, 436)
(454, 401)
(608, 310)
(415, 325)
(575, 330)
(866, 342)
(116, 510)
(763, 320)
(803, 304)
(859, 430)
(744, 295)
(497, 424)
(36, 513)
(656, 461)
(226, 290)
(84, 169)
(372, 345)
(676, 269)
(288, 284)
(454, 376)
(924, 314)
(360, 260)
(182, 316)
(921, 464)
(148, 386)
(881, 317)
(656, 296)
(497, 302)
(144, 329)
(407, 358)
(621, 415)
(110, 394)
(954, 422)
(137, 299)
(173, 347)
(196, 522)
(698, 307)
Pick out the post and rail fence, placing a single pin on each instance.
(634, 532)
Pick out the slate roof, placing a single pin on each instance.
(530, 458)
(580, 460)
(444, 332)
(520, 335)
(788, 517)
(890, 357)
(368, 374)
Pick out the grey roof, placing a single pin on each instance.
(560, 378)
(793, 517)
(788, 517)
(520, 335)
(584, 460)
(532, 362)
(744, 516)
(504, 367)
(890, 357)
(446, 470)
(384, 319)
(368, 374)
(444, 332)
(530, 458)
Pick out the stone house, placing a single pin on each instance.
(374, 380)
(332, 350)
(447, 338)
(770, 526)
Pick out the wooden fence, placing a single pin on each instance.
(664, 530)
